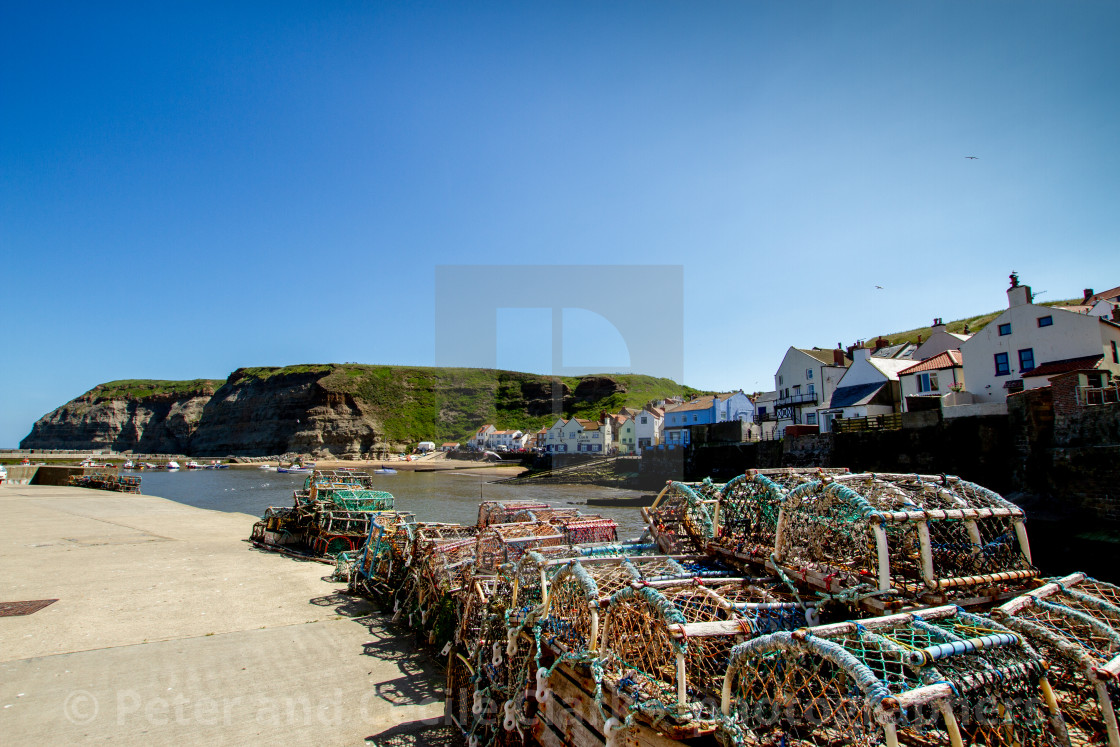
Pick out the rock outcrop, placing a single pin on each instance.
(156, 420)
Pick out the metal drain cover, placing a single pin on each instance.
(15, 609)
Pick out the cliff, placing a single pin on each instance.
(328, 409)
(143, 416)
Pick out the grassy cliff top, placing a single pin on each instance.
(148, 388)
(975, 324)
(441, 403)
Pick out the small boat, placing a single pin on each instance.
(193, 465)
(267, 468)
(385, 471)
(148, 465)
(295, 470)
(173, 466)
(128, 465)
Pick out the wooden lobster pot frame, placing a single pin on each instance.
(502, 512)
(506, 543)
(377, 564)
(936, 676)
(1075, 623)
(910, 537)
(681, 517)
(670, 641)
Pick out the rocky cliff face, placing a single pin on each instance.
(103, 418)
(252, 415)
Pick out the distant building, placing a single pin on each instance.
(869, 387)
(481, 438)
(940, 340)
(805, 381)
(1026, 344)
(924, 383)
(649, 426)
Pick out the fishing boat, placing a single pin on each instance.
(267, 468)
(295, 470)
(172, 466)
(193, 465)
(385, 471)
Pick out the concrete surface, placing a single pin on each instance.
(171, 629)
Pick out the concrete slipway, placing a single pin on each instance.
(169, 628)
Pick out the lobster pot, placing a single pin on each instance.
(501, 512)
(460, 691)
(586, 530)
(479, 624)
(540, 514)
(746, 520)
(681, 517)
(939, 676)
(671, 643)
(362, 500)
(336, 479)
(1074, 622)
(350, 523)
(377, 562)
(506, 543)
(919, 537)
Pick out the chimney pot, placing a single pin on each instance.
(1088, 294)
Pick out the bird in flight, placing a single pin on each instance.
(972, 157)
(879, 287)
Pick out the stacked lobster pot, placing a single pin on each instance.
(1075, 623)
(330, 516)
(938, 676)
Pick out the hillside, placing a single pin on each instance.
(328, 409)
(974, 323)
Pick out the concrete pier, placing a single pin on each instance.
(169, 628)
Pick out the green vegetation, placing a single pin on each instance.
(146, 388)
(974, 323)
(445, 404)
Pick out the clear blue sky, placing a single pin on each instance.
(189, 188)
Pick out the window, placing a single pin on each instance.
(1115, 357)
(1026, 360)
(693, 418)
(927, 382)
(808, 373)
(1045, 321)
(1003, 367)
(811, 390)
(811, 419)
(780, 381)
(644, 420)
(1004, 330)
(797, 389)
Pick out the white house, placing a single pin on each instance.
(649, 427)
(481, 438)
(924, 383)
(1025, 337)
(554, 438)
(508, 440)
(869, 387)
(627, 441)
(804, 382)
(569, 434)
(591, 438)
(940, 340)
(764, 414)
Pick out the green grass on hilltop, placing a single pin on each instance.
(975, 324)
(146, 388)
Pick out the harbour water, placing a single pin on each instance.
(432, 496)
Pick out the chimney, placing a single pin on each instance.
(1018, 295)
(919, 340)
(881, 342)
(1088, 294)
(1116, 313)
(838, 356)
(967, 331)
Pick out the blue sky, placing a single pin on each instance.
(186, 189)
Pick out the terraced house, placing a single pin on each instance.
(705, 410)
(805, 382)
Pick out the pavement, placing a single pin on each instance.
(170, 628)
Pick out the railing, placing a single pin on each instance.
(1096, 395)
(797, 399)
(891, 422)
(762, 417)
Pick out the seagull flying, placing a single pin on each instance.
(972, 157)
(879, 287)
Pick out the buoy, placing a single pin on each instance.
(496, 657)
(542, 685)
(611, 727)
(510, 721)
(476, 707)
(446, 649)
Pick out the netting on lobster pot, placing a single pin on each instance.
(501, 512)
(681, 517)
(506, 543)
(670, 643)
(376, 563)
(910, 536)
(1075, 624)
(939, 676)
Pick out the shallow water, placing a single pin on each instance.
(432, 496)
